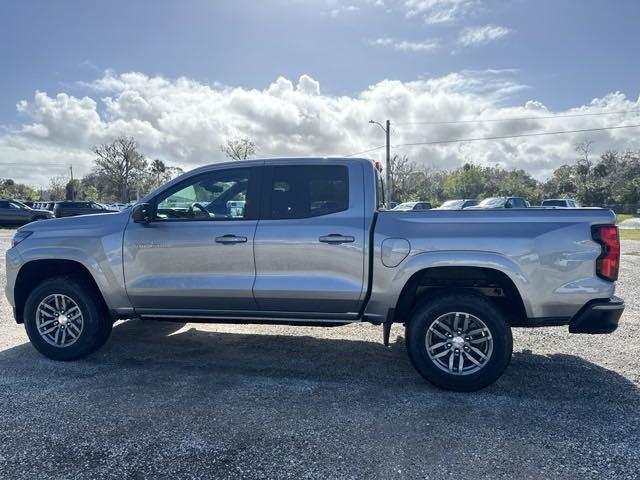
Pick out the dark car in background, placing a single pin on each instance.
(13, 212)
(406, 206)
(459, 204)
(502, 202)
(73, 209)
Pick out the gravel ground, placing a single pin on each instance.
(162, 400)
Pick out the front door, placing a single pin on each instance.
(309, 245)
(196, 255)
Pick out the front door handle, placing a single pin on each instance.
(336, 239)
(230, 239)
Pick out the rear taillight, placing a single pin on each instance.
(608, 263)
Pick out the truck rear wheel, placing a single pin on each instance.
(66, 320)
(459, 341)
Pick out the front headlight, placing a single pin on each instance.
(19, 236)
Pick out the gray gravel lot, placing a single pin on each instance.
(163, 400)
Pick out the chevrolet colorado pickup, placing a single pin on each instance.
(308, 242)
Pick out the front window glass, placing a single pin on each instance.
(219, 195)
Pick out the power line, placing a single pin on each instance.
(453, 122)
(366, 151)
(66, 165)
(501, 137)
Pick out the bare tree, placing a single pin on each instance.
(121, 165)
(405, 178)
(584, 149)
(57, 188)
(583, 165)
(240, 148)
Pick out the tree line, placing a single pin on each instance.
(122, 173)
(613, 180)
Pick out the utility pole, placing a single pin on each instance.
(389, 186)
(387, 132)
(73, 189)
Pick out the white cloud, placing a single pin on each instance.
(482, 35)
(337, 11)
(183, 122)
(405, 45)
(440, 11)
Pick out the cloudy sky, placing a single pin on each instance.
(303, 77)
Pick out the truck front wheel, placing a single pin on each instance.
(65, 320)
(459, 341)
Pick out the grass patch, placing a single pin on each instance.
(621, 217)
(630, 234)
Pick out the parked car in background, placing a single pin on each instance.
(117, 206)
(44, 206)
(458, 204)
(502, 202)
(560, 202)
(72, 209)
(406, 206)
(13, 212)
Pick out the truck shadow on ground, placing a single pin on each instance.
(170, 351)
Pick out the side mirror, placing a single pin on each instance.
(142, 213)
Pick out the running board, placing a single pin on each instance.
(250, 320)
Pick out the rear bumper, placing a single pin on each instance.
(599, 316)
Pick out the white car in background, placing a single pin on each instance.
(406, 206)
(117, 206)
(560, 202)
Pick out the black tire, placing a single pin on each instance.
(96, 323)
(425, 314)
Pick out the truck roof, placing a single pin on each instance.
(263, 161)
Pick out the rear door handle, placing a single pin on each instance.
(230, 238)
(336, 239)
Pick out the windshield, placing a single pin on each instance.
(405, 206)
(492, 202)
(452, 204)
(20, 204)
(554, 203)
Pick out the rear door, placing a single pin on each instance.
(310, 241)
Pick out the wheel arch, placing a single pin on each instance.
(35, 272)
(482, 280)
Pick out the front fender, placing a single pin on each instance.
(101, 257)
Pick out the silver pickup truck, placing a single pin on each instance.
(308, 242)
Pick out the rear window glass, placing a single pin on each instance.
(302, 191)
